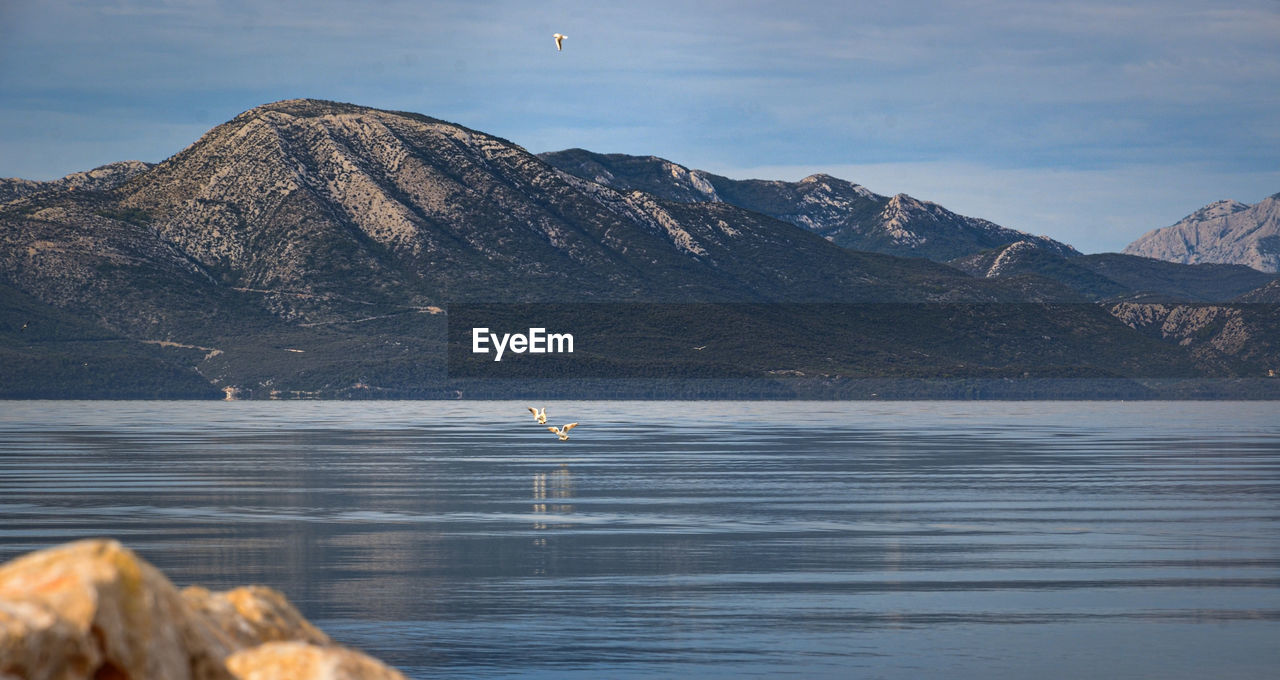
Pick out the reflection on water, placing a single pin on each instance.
(697, 539)
(557, 486)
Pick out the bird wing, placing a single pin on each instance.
(554, 429)
(570, 426)
(534, 411)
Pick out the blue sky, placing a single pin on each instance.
(1091, 122)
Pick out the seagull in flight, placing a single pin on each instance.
(559, 39)
(540, 416)
(563, 432)
(699, 349)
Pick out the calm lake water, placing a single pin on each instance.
(707, 539)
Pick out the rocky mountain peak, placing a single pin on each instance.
(695, 180)
(1217, 209)
(898, 214)
(830, 185)
(901, 203)
(1228, 232)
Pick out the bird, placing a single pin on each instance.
(699, 349)
(540, 416)
(563, 432)
(559, 39)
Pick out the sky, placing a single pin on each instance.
(1091, 122)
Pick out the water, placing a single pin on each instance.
(710, 540)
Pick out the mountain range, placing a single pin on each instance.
(312, 248)
(844, 213)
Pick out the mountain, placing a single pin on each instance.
(98, 179)
(310, 246)
(847, 214)
(1114, 276)
(317, 249)
(323, 198)
(1236, 339)
(1269, 294)
(1226, 231)
(317, 212)
(1182, 304)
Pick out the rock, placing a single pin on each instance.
(302, 661)
(31, 634)
(253, 615)
(95, 610)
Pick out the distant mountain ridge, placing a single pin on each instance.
(1115, 276)
(1228, 232)
(98, 179)
(848, 214)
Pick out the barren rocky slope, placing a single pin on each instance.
(1237, 339)
(847, 214)
(1226, 232)
(97, 179)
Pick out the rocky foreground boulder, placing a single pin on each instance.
(95, 610)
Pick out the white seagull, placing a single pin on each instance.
(559, 39)
(540, 416)
(563, 432)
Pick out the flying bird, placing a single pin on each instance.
(699, 349)
(563, 432)
(540, 416)
(559, 39)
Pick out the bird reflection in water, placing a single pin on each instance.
(556, 485)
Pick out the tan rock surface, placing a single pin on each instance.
(252, 615)
(94, 610)
(301, 661)
(32, 634)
